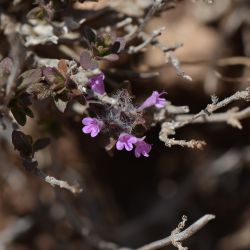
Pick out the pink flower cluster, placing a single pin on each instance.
(128, 141)
(125, 141)
(97, 85)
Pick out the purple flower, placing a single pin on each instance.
(126, 141)
(142, 148)
(92, 126)
(154, 100)
(96, 83)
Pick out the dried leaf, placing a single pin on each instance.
(40, 90)
(41, 144)
(63, 67)
(28, 112)
(115, 47)
(87, 61)
(23, 100)
(22, 143)
(89, 34)
(31, 76)
(19, 115)
(53, 76)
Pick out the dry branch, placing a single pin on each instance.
(62, 184)
(179, 237)
(194, 144)
(149, 39)
(239, 95)
(135, 30)
(94, 240)
(232, 117)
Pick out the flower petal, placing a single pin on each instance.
(86, 129)
(154, 100)
(142, 148)
(98, 88)
(87, 120)
(96, 83)
(128, 146)
(119, 145)
(94, 132)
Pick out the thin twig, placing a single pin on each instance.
(33, 168)
(239, 95)
(94, 240)
(229, 116)
(151, 38)
(62, 184)
(170, 56)
(199, 224)
(135, 30)
(124, 22)
(232, 117)
(194, 144)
